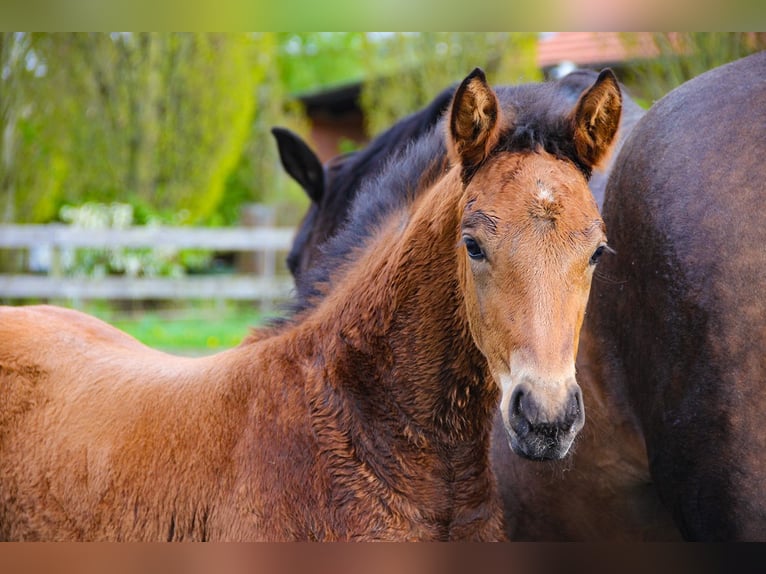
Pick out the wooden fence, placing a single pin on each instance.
(266, 284)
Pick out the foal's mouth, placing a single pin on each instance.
(547, 442)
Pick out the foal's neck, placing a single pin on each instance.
(404, 341)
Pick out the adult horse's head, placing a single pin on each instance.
(302, 164)
(530, 237)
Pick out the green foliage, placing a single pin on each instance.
(684, 55)
(312, 60)
(159, 118)
(161, 261)
(181, 122)
(258, 176)
(30, 147)
(406, 70)
(207, 112)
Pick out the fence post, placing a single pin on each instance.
(56, 270)
(262, 263)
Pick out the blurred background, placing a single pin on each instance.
(104, 134)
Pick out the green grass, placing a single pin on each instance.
(193, 331)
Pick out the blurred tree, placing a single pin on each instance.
(312, 60)
(294, 63)
(159, 119)
(11, 66)
(181, 122)
(21, 151)
(684, 55)
(209, 99)
(406, 70)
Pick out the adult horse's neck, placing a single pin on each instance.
(400, 367)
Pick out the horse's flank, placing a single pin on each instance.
(685, 206)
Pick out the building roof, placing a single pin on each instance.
(592, 48)
(334, 100)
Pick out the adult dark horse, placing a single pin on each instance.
(367, 418)
(682, 323)
(602, 491)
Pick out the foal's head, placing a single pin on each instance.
(530, 237)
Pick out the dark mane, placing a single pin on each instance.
(541, 119)
(377, 199)
(347, 175)
(333, 186)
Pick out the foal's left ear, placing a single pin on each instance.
(474, 121)
(596, 118)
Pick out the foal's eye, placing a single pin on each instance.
(473, 248)
(598, 253)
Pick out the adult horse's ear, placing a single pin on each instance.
(596, 118)
(300, 162)
(473, 121)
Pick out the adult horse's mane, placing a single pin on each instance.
(353, 168)
(333, 187)
(541, 121)
(377, 199)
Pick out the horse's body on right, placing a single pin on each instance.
(682, 322)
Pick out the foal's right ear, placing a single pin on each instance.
(474, 121)
(300, 162)
(596, 118)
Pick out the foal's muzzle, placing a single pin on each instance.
(533, 433)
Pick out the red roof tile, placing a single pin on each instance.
(583, 48)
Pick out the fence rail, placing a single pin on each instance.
(265, 284)
(220, 239)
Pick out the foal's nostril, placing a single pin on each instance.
(518, 417)
(575, 413)
(518, 394)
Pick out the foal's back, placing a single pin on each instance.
(103, 438)
(90, 417)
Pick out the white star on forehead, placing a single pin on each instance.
(544, 192)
